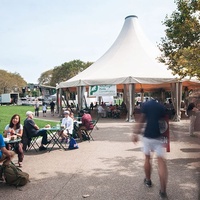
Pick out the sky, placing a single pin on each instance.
(38, 35)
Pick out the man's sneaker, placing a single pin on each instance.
(163, 195)
(42, 148)
(148, 183)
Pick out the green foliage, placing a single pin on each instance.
(181, 45)
(45, 77)
(62, 73)
(11, 82)
(6, 112)
(68, 70)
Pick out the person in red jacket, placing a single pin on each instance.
(86, 123)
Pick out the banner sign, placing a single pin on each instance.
(164, 129)
(103, 90)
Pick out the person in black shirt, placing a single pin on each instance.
(52, 107)
(32, 130)
(151, 113)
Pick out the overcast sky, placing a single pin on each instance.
(37, 35)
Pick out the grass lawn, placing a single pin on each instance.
(6, 112)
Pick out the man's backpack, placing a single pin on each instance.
(73, 144)
(15, 176)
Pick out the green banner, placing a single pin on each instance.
(103, 90)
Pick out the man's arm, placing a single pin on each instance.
(138, 128)
(83, 121)
(6, 152)
(33, 124)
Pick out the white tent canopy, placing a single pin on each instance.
(131, 63)
(131, 59)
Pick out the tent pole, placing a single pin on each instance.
(57, 102)
(178, 91)
(180, 95)
(133, 102)
(131, 107)
(80, 95)
(179, 85)
(125, 98)
(142, 95)
(79, 98)
(60, 102)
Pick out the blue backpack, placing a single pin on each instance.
(73, 144)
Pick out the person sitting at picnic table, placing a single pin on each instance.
(44, 109)
(67, 124)
(72, 115)
(5, 155)
(15, 129)
(86, 124)
(33, 130)
(116, 111)
(102, 111)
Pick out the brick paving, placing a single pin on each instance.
(110, 168)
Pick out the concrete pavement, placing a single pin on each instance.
(110, 168)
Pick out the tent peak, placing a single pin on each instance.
(130, 16)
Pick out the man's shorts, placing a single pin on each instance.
(153, 145)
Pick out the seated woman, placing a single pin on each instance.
(14, 128)
(67, 124)
(102, 111)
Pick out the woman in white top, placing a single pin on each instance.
(67, 124)
(101, 111)
(15, 128)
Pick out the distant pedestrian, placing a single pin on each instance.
(91, 106)
(52, 107)
(191, 112)
(152, 112)
(44, 109)
(37, 107)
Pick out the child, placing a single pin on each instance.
(44, 109)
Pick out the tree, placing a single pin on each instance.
(62, 73)
(11, 82)
(45, 77)
(181, 46)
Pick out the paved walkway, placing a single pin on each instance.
(110, 168)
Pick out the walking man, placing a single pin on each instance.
(151, 113)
